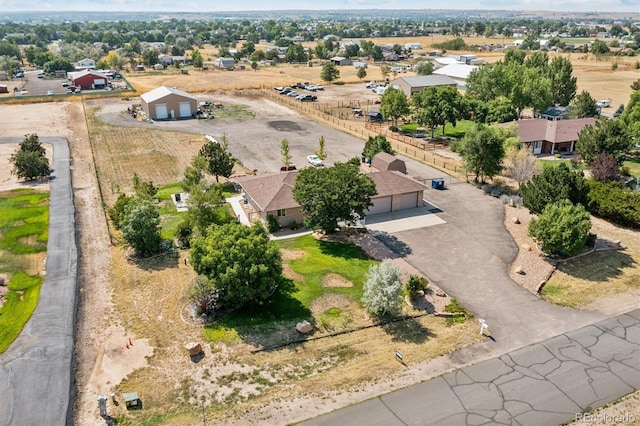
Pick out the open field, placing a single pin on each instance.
(593, 75)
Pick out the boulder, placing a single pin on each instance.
(515, 220)
(304, 327)
(526, 247)
(519, 270)
(193, 348)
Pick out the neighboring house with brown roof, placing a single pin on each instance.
(548, 137)
(385, 161)
(272, 194)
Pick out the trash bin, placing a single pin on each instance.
(437, 183)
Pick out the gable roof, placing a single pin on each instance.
(271, 192)
(275, 191)
(551, 131)
(427, 80)
(390, 182)
(386, 161)
(79, 74)
(456, 70)
(162, 91)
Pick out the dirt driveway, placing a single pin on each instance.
(255, 141)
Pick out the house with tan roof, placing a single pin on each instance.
(272, 194)
(548, 137)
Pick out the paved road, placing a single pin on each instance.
(546, 383)
(35, 372)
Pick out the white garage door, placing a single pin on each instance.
(408, 201)
(161, 112)
(380, 205)
(99, 82)
(185, 109)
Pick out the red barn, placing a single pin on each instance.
(88, 79)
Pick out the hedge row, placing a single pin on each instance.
(613, 202)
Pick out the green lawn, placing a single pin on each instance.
(24, 221)
(634, 166)
(170, 217)
(458, 132)
(320, 258)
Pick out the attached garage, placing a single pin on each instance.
(168, 103)
(380, 205)
(396, 191)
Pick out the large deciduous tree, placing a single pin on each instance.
(437, 106)
(30, 160)
(140, 226)
(482, 150)
(631, 116)
(606, 137)
(333, 194)
(219, 160)
(394, 104)
(382, 290)
(562, 228)
(555, 183)
(563, 84)
(242, 265)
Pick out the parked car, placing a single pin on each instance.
(50, 92)
(314, 160)
(293, 93)
(371, 85)
(278, 88)
(286, 90)
(605, 103)
(307, 98)
(65, 84)
(41, 75)
(314, 87)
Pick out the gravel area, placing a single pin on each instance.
(535, 269)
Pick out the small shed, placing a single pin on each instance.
(375, 116)
(4, 88)
(340, 61)
(360, 64)
(158, 67)
(224, 63)
(165, 103)
(385, 161)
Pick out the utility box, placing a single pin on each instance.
(132, 401)
(437, 183)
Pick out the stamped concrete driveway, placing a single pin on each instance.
(35, 372)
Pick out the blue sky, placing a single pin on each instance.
(220, 5)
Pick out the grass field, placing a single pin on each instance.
(458, 131)
(24, 221)
(633, 165)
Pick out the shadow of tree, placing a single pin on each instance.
(158, 262)
(599, 266)
(407, 330)
(392, 242)
(341, 249)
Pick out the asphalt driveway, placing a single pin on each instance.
(35, 372)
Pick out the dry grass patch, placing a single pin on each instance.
(292, 254)
(335, 280)
(156, 155)
(591, 279)
(288, 272)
